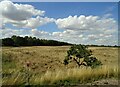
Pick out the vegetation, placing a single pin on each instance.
(17, 41)
(77, 75)
(43, 65)
(30, 41)
(82, 56)
(102, 46)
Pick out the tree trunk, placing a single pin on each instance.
(77, 62)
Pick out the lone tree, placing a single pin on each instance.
(82, 56)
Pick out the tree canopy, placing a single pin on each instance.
(30, 41)
(78, 52)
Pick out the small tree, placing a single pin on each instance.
(82, 56)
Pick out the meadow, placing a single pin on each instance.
(43, 65)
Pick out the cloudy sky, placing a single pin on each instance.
(79, 23)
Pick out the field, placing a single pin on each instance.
(43, 65)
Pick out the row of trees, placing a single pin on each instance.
(33, 41)
(30, 41)
(101, 46)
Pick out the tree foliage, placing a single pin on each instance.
(82, 56)
(30, 41)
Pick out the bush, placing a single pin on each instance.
(78, 52)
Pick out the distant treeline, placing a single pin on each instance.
(17, 41)
(102, 46)
(30, 41)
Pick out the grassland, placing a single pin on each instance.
(43, 65)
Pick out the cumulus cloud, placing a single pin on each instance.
(40, 34)
(92, 37)
(8, 32)
(33, 22)
(85, 23)
(69, 36)
(88, 29)
(76, 29)
(77, 23)
(21, 15)
(18, 12)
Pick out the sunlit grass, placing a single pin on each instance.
(80, 75)
(50, 69)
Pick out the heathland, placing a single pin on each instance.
(43, 65)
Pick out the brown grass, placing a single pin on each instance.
(81, 75)
(46, 64)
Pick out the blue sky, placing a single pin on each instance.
(65, 21)
(65, 9)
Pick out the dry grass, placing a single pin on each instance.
(76, 75)
(46, 57)
(46, 65)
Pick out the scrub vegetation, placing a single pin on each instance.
(44, 65)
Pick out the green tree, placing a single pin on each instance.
(19, 41)
(30, 41)
(82, 56)
(7, 42)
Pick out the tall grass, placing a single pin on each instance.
(79, 75)
(68, 76)
(13, 72)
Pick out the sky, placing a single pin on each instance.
(78, 22)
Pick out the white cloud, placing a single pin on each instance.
(21, 15)
(85, 23)
(40, 34)
(69, 36)
(8, 32)
(88, 29)
(33, 22)
(107, 15)
(76, 23)
(76, 29)
(80, 36)
(18, 12)
(92, 37)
